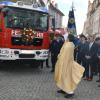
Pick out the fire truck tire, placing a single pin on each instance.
(2, 63)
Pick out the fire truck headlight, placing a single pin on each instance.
(45, 52)
(4, 51)
(38, 52)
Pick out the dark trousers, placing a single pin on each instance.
(81, 61)
(95, 68)
(47, 65)
(89, 71)
(98, 65)
(47, 61)
(53, 61)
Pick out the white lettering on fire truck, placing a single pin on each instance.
(39, 35)
(16, 33)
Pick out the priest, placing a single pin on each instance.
(68, 73)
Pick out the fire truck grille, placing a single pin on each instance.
(19, 41)
(37, 41)
(26, 55)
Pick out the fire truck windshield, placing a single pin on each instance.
(23, 18)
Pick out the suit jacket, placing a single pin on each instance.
(98, 54)
(81, 51)
(92, 52)
(55, 47)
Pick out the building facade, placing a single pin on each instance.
(92, 23)
(56, 16)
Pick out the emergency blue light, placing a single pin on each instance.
(44, 9)
(6, 3)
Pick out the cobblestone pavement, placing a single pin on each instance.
(25, 83)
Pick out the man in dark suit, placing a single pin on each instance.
(81, 51)
(91, 57)
(98, 57)
(55, 47)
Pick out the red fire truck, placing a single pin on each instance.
(23, 32)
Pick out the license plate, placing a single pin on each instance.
(26, 52)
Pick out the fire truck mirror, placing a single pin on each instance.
(0, 30)
(0, 9)
(5, 11)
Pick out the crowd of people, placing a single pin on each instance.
(88, 55)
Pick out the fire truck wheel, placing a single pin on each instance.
(2, 63)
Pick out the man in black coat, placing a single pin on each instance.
(55, 47)
(98, 57)
(91, 49)
(81, 51)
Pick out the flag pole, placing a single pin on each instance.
(71, 21)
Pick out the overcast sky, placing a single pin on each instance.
(80, 11)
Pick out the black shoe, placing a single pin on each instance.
(48, 66)
(41, 67)
(69, 95)
(95, 74)
(98, 85)
(52, 70)
(98, 80)
(61, 91)
(89, 79)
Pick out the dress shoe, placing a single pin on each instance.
(98, 80)
(95, 73)
(98, 85)
(89, 79)
(61, 91)
(41, 67)
(48, 66)
(85, 78)
(52, 70)
(69, 95)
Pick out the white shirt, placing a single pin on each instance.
(90, 45)
(65, 36)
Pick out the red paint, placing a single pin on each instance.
(6, 34)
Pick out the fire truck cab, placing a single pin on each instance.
(23, 32)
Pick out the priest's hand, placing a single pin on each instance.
(99, 57)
